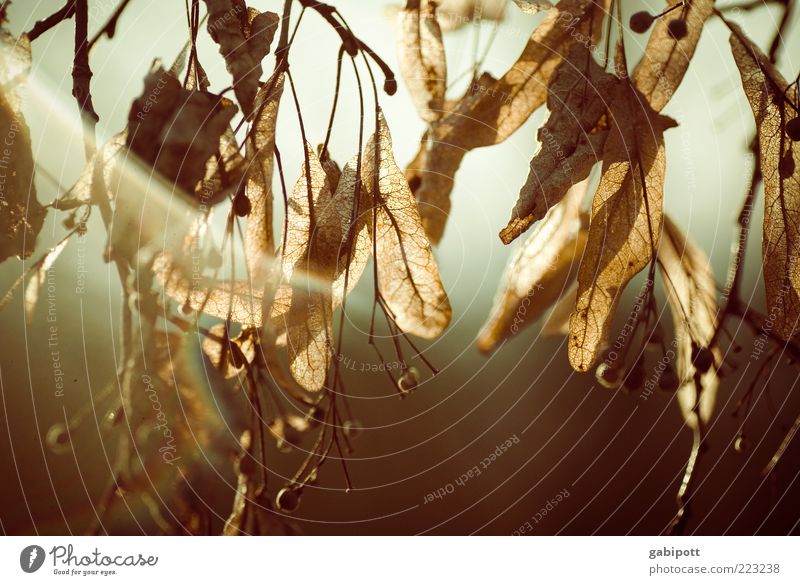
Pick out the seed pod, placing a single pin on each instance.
(288, 499)
(241, 205)
(409, 380)
(641, 21)
(677, 29)
(608, 376)
(793, 129)
(702, 358)
(58, 439)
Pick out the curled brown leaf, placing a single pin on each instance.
(571, 139)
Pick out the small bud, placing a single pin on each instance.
(241, 205)
(634, 380)
(390, 85)
(641, 21)
(677, 29)
(409, 380)
(288, 499)
(740, 445)
(58, 439)
(793, 129)
(608, 376)
(702, 358)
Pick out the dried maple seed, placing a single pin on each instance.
(288, 499)
(702, 358)
(58, 439)
(793, 129)
(677, 29)
(409, 380)
(608, 376)
(641, 21)
(241, 205)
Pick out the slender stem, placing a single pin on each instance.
(59, 16)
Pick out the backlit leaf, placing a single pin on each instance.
(408, 277)
(691, 292)
(421, 57)
(625, 222)
(666, 59)
(493, 109)
(765, 87)
(21, 215)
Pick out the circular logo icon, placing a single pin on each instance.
(31, 558)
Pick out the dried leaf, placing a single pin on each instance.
(103, 163)
(625, 223)
(177, 131)
(21, 215)
(533, 6)
(539, 272)
(495, 108)
(665, 59)
(691, 292)
(421, 57)
(765, 89)
(226, 22)
(408, 277)
(260, 30)
(311, 249)
(239, 299)
(571, 140)
(40, 276)
(557, 322)
(229, 356)
(259, 240)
